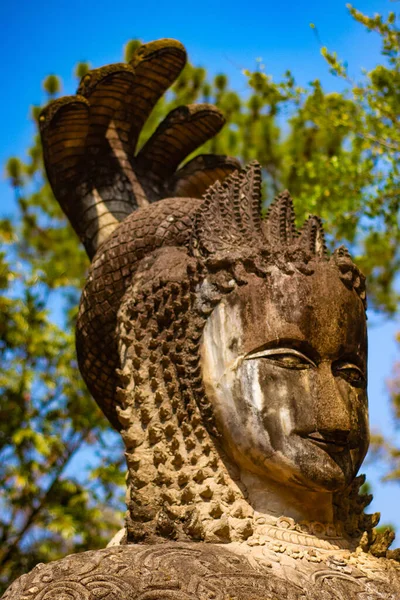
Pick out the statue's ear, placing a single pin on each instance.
(229, 220)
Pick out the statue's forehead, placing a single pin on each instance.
(317, 310)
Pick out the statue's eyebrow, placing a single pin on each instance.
(298, 344)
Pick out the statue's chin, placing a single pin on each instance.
(301, 464)
(330, 479)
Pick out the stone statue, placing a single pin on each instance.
(229, 351)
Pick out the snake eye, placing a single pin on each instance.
(86, 80)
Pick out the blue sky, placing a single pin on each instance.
(45, 37)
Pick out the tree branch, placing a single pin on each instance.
(372, 138)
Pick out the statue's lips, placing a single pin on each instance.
(328, 444)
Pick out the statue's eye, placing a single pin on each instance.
(290, 360)
(285, 357)
(350, 372)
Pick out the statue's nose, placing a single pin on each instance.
(333, 410)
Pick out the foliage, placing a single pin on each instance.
(336, 152)
(47, 420)
(375, 125)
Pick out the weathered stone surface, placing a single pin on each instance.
(230, 352)
(179, 571)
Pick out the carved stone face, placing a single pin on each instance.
(284, 364)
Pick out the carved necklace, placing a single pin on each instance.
(311, 540)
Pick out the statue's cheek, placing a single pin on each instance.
(288, 398)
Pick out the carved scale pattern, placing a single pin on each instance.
(166, 223)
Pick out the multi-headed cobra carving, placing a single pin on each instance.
(90, 143)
